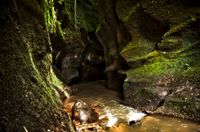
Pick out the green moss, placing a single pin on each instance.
(184, 106)
(71, 125)
(54, 80)
(87, 15)
(153, 54)
(59, 30)
(50, 16)
(178, 27)
(30, 62)
(175, 56)
(161, 66)
(125, 9)
(70, 34)
(151, 70)
(129, 46)
(67, 10)
(60, 1)
(129, 13)
(82, 14)
(75, 14)
(138, 49)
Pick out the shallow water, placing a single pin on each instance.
(106, 101)
(157, 123)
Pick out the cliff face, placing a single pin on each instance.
(27, 94)
(163, 56)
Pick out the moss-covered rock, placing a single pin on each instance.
(165, 74)
(27, 94)
(185, 107)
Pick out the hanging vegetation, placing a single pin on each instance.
(50, 16)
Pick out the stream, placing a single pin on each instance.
(119, 117)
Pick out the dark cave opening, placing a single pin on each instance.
(82, 60)
(78, 60)
(90, 55)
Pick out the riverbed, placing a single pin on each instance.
(107, 103)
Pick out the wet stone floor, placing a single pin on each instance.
(116, 117)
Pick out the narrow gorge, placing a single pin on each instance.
(100, 65)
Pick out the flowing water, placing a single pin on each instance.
(108, 104)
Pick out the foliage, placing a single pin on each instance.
(50, 16)
(82, 13)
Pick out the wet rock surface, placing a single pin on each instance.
(164, 75)
(105, 102)
(114, 116)
(83, 113)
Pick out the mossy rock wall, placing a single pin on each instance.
(27, 95)
(164, 57)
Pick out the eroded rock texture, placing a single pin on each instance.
(164, 56)
(27, 93)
